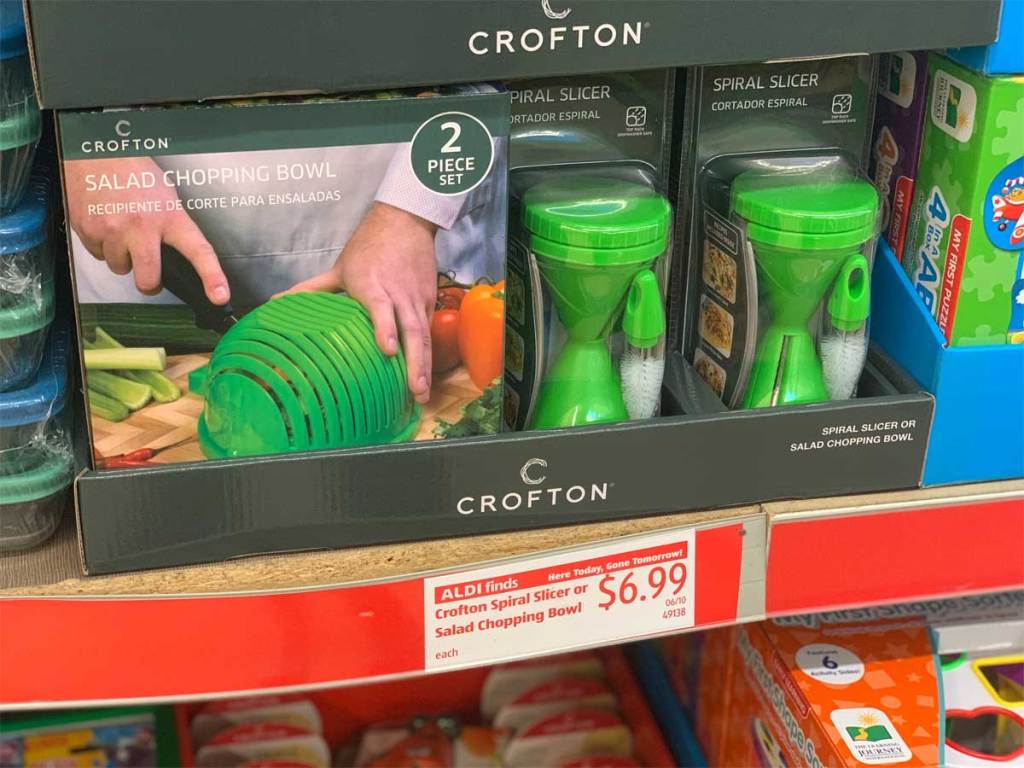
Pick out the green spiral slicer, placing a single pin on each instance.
(802, 229)
(299, 373)
(591, 238)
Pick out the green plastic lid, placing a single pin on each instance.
(643, 320)
(21, 127)
(596, 220)
(805, 211)
(28, 315)
(46, 472)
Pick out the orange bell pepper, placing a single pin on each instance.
(482, 333)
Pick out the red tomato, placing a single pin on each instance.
(450, 296)
(444, 339)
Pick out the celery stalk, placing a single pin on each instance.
(107, 407)
(164, 390)
(105, 341)
(131, 393)
(128, 358)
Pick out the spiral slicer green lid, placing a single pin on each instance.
(596, 220)
(805, 211)
(303, 372)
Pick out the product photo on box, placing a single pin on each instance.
(252, 218)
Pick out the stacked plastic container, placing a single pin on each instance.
(36, 465)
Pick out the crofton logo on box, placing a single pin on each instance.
(534, 39)
(533, 473)
(124, 142)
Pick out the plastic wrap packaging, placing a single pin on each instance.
(787, 248)
(589, 247)
(36, 461)
(20, 120)
(26, 287)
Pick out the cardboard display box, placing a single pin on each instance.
(98, 53)
(579, 709)
(959, 450)
(922, 683)
(896, 142)
(965, 241)
(215, 510)
(701, 456)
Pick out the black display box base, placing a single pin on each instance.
(216, 510)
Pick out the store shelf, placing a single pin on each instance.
(305, 46)
(56, 570)
(864, 550)
(319, 619)
(324, 618)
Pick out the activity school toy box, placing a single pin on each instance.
(261, 278)
(896, 143)
(835, 690)
(966, 255)
(90, 737)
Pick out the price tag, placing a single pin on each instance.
(604, 593)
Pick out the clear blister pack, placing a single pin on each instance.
(785, 299)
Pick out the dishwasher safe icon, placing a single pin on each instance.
(636, 117)
(842, 104)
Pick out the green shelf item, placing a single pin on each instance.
(803, 228)
(850, 302)
(643, 320)
(302, 372)
(591, 237)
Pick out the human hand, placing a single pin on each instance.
(389, 266)
(130, 241)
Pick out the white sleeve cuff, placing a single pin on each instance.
(400, 188)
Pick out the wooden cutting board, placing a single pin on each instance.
(158, 425)
(171, 427)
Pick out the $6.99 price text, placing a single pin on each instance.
(622, 588)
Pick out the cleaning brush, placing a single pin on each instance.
(844, 349)
(642, 365)
(642, 371)
(842, 360)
